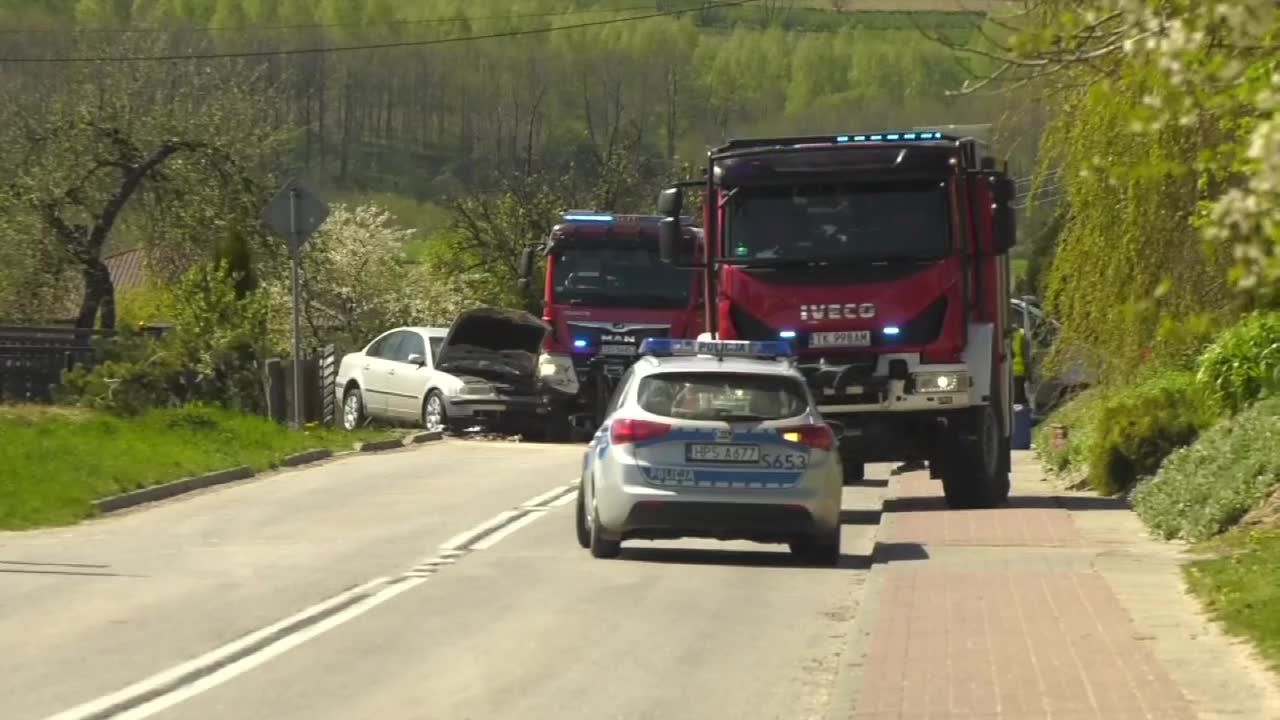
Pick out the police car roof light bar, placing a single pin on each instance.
(670, 347)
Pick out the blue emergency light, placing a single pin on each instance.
(588, 218)
(669, 347)
(891, 137)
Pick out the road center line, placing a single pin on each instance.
(182, 682)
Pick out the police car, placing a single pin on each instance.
(712, 439)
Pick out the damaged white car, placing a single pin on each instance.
(481, 372)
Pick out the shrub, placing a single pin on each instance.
(211, 354)
(1137, 427)
(1078, 416)
(1243, 364)
(1206, 488)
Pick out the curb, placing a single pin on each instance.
(168, 490)
(305, 457)
(379, 445)
(422, 437)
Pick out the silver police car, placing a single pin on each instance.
(712, 439)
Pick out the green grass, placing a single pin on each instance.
(1240, 586)
(55, 461)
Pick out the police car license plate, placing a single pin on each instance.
(843, 338)
(624, 350)
(722, 453)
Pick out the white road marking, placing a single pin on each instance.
(464, 538)
(491, 540)
(167, 688)
(544, 498)
(274, 650)
(568, 498)
(159, 680)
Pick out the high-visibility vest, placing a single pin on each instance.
(1020, 352)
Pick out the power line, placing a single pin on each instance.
(442, 20)
(372, 46)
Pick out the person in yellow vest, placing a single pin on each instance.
(1019, 366)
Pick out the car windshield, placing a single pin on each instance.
(722, 396)
(840, 222)
(616, 277)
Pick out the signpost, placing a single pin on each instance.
(295, 213)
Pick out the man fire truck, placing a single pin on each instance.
(884, 258)
(606, 291)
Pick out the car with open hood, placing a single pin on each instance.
(480, 372)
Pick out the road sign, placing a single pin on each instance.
(295, 213)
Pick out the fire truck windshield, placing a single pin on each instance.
(842, 222)
(616, 277)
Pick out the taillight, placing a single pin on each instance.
(625, 430)
(815, 436)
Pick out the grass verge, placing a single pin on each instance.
(54, 462)
(1240, 586)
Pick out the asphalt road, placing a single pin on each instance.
(436, 582)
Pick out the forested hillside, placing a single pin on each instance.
(437, 103)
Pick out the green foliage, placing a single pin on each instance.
(1241, 588)
(1128, 254)
(1079, 417)
(1120, 433)
(1244, 363)
(1206, 488)
(1136, 428)
(58, 460)
(212, 354)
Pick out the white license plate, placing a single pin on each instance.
(722, 453)
(626, 350)
(842, 338)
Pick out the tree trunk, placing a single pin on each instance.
(99, 296)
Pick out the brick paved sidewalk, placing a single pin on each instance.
(1003, 614)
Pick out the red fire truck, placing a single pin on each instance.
(606, 292)
(884, 258)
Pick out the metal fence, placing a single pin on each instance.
(32, 359)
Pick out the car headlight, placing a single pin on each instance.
(477, 390)
(941, 382)
(557, 372)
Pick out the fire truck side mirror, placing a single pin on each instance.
(1004, 221)
(670, 240)
(671, 203)
(526, 266)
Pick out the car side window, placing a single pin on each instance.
(412, 344)
(390, 349)
(375, 350)
(436, 344)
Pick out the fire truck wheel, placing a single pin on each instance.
(974, 474)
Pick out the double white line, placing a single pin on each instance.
(182, 682)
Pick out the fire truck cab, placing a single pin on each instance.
(606, 291)
(883, 258)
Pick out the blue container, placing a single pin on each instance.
(1021, 437)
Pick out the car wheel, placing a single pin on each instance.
(601, 547)
(823, 550)
(854, 472)
(352, 409)
(580, 521)
(434, 416)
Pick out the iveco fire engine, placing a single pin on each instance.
(883, 257)
(606, 291)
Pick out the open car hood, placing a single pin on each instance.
(493, 343)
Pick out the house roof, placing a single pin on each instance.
(128, 269)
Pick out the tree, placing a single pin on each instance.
(109, 135)
(357, 281)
